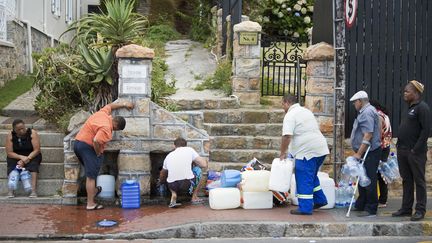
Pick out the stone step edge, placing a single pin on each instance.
(238, 229)
(50, 200)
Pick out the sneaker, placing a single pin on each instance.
(11, 194)
(417, 216)
(33, 195)
(318, 205)
(174, 205)
(366, 214)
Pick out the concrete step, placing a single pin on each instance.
(45, 187)
(36, 123)
(260, 129)
(220, 166)
(47, 138)
(244, 116)
(245, 142)
(50, 200)
(243, 155)
(46, 171)
(200, 104)
(49, 154)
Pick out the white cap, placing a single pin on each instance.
(359, 95)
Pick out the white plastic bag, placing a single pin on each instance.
(280, 175)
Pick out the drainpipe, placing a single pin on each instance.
(78, 9)
(44, 23)
(51, 40)
(29, 50)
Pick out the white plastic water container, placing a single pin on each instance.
(257, 200)
(327, 185)
(107, 182)
(224, 198)
(255, 181)
(280, 175)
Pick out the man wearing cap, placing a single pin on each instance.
(411, 151)
(366, 133)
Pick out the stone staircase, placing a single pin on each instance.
(51, 176)
(238, 135)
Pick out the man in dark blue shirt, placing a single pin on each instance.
(411, 151)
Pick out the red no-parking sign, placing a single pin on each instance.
(350, 12)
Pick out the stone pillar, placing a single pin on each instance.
(135, 65)
(319, 85)
(247, 64)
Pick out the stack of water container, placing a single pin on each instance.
(344, 195)
(249, 189)
(227, 196)
(327, 185)
(255, 189)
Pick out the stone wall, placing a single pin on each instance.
(149, 129)
(14, 55)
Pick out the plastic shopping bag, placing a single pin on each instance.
(280, 175)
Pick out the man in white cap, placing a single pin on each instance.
(411, 151)
(366, 133)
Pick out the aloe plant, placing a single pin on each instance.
(118, 26)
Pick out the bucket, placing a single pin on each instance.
(131, 197)
(107, 182)
(230, 178)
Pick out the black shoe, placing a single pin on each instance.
(357, 210)
(318, 205)
(366, 214)
(297, 212)
(417, 216)
(401, 213)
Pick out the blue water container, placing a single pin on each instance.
(131, 197)
(230, 178)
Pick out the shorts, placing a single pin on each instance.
(186, 186)
(32, 166)
(87, 156)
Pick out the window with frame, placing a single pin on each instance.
(56, 7)
(69, 11)
(7, 13)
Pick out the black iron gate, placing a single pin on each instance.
(231, 8)
(390, 44)
(283, 69)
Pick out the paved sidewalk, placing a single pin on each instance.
(150, 222)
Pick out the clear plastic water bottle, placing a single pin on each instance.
(393, 166)
(349, 192)
(26, 180)
(13, 179)
(338, 197)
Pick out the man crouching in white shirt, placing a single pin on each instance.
(183, 176)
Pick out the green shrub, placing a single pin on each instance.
(221, 79)
(61, 89)
(161, 33)
(160, 88)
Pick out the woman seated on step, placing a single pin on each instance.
(23, 156)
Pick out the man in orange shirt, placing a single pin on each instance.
(90, 143)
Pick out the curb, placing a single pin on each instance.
(253, 230)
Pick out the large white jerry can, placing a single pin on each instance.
(224, 198)
(327, 185)
(255, 181)
(280, 177)
(257, 200)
